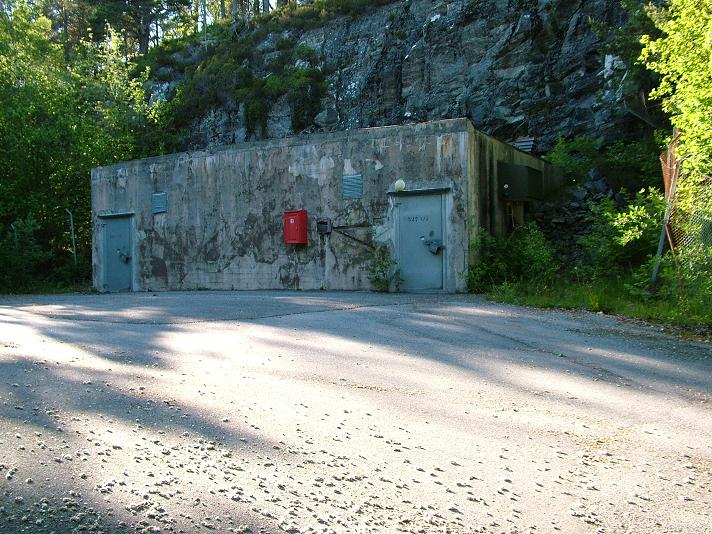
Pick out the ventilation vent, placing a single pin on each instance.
(523, 143)
(352, 185)
(159, 202)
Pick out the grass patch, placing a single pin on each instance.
(607, 296)
(523, 268)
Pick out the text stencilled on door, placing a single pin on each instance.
(418, 218)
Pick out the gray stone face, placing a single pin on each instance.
(514, 68)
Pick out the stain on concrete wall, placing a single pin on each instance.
(496, 214)
(223, 225)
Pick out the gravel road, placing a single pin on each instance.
(346, 412)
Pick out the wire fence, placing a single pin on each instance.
(688, 218)
(691, 226)
(687, 226)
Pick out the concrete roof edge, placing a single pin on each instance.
(497, 139)
(461, 124)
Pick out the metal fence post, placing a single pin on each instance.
(74, 240)
(14, 232)
(666, 221)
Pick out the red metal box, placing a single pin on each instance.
(295, 227)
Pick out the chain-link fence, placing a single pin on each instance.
(691, 225)
(688, 219)
(687, 227)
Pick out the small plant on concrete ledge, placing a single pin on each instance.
(383, 272)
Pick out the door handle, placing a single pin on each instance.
(434, 245)
(123, 257)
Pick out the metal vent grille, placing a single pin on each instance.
(352, 185)
(523, 143)
(159, 202)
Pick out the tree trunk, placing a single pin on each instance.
(65, 33)
(196, 15)
(265, 6)
(157, 34)
(144, 37)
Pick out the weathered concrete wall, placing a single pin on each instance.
(223, 228)
(493, 212)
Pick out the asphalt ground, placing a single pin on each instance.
(346, 412)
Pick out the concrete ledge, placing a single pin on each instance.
(422, 128)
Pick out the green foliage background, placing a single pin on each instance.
(682, 58)
(667, 45)
(59, 119)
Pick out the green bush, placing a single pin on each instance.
(284, 44)
(524, 256)
(279, 63)
(307, 54)
(615, 273)
(382, 272)
(635, 164)
(684, 284)
(693, 209)
(621, 240)
(575, 157)
(20, 256)
(532, 255)
(305, 89)
(617, 276)
(64, 273)
(696, 272)
(625, 164)
(488, 267)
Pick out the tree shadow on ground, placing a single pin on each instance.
(445, 329)
(425, 338)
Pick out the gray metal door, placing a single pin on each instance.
(118, 254)
(420, 241)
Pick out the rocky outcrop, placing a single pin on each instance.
(568, 220)
(514, 67)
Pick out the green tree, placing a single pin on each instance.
(34, 89)
(139, 19)
(57, 121)
(69, 22)
(682, 57)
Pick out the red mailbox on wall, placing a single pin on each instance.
(295, 227)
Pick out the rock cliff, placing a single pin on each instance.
(531, 68)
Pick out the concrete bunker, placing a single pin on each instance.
(216, 219)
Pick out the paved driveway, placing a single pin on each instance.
(346, 412)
